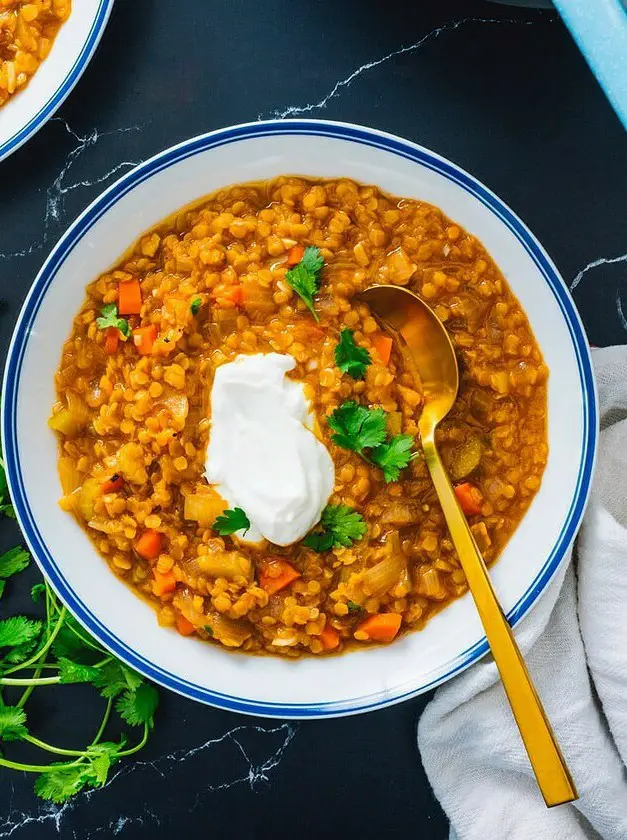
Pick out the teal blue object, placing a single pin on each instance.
(600, 29)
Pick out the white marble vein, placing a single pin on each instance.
(61, 186)
(619, 311)
(595, 264)
(445, 28)
(217, 773)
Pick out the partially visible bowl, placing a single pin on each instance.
(26, 112)
(363, 680)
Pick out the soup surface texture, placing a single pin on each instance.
(273, 268)
(27, 30)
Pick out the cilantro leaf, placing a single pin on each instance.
(304, 277)
(60, 785)
(18, 631)
(138, 707)
(349, 357)
(353, 607)
(195, 305)
(12, 723)
(109, 318)
(2, 585)
(13, 561)
(5, 501)
(75, 672)
(115, 677)
(230, 521)
(357, 427)
(37, 592)
(340, 525)
(393, 455)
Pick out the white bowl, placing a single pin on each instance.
(25, 113)
(312, 687)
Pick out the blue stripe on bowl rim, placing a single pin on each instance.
(65, 88)
(80, 228)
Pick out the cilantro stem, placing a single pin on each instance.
(138, 746)
(104, 722)
(33, 681)
(38, 768)
(49, 748)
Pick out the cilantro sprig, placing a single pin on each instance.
(110, 318)
(230, 521)
(195, 305)
(364, 431)
(53, 651)
(349, 357)
(340, 525)
(304, 277)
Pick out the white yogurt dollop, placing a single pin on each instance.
(262, 454)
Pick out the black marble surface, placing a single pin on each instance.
(501, 91)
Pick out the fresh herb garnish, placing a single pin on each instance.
(353, 607)
(340, 525)
(11, 562)
(393, 456)
(304, 277)
(57, 651)
(109, 318)
(230, 521)
(359, 429)
(195, 305)
(349, 357)
(208, 630)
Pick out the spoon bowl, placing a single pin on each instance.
(428, 352)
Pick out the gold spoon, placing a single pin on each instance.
(428, 351)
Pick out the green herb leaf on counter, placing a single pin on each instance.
(12, 723)
(393, 456)
(349, 357)
(230, 521)
(13, 561)
(304, 277)
(357, 427)
(18, 631)
(37, 592)
(109, 318)
(138, 707)
(74, 672)
(195, 306)
(340, 525)
(5, 500)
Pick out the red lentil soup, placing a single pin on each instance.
(212, 282)
(27, 31)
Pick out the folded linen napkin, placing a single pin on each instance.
(575, 644)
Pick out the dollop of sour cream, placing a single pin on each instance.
(263, 455)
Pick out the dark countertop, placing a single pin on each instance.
(504, 93)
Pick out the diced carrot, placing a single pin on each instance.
(163, 583)
(276, 575)
(295, 254)
(469, 497)
(129, 297)
(113, 484)
(381, 627)
(149, 545)
(330, 638)
(383, 347)
(144, 339)
(112, 340)
(229, 296)
(185, 627)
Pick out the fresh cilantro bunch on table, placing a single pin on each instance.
(5, 502)
(56, 651)
(364, 431)
(109, 318)
(340, 525)
(304, 277)
(349, 357)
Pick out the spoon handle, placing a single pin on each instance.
(546, 759)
